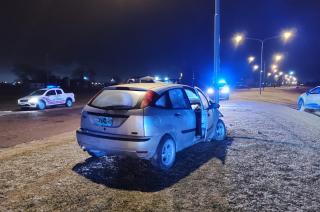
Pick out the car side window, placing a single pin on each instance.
(204, 100)
(51, 93)
(192, 96)
(59, 92)
(163, 101)
(178, 99)
(315, 91)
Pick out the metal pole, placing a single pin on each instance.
(261, 67)
(216, 48)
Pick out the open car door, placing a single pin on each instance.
(204, 113)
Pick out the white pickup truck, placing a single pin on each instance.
(43, 98)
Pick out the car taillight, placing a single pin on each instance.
(148, 98)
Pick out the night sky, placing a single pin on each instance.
(148, 37)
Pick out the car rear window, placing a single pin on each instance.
(118, 99)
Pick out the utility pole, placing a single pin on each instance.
(216, 48)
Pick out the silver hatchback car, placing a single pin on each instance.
(150, 121)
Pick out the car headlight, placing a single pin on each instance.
(33, 100)
(225, 90)
(210, 91)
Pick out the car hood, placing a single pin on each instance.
(29, 97)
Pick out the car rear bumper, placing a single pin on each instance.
(101, 144)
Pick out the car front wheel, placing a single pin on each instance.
(41, 105)
(221, 131)
(165, 155)
(301, 105)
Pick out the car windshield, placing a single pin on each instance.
(117, 99)
(37, 93)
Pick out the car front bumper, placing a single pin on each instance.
(27, 104)
(101, 144)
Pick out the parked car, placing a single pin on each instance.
(310, 100)
(224, 90)
(150, 121)
(43, 98)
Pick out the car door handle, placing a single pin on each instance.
(177, 114)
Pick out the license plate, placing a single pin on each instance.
(103, 121)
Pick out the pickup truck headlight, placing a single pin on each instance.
(34, 100)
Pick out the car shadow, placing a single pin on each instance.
(139, 175)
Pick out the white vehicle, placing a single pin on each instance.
(150, 121)
(310, 100)
(43, 98)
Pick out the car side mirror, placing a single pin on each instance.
(214, 105)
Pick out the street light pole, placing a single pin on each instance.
(261, 65)
(261, 56)
(216, 48)
(238, 38)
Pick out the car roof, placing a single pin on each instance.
(158, 87)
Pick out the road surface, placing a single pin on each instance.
(270, 161)
(24, 126)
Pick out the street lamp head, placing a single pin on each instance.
(251, 59)
(238, 39)
(274, 66)
(255, 67)
(287, 35)
(269, 74)
(278, 57)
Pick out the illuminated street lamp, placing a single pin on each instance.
(239, 38)
(281, 73)
(251, 59)
(274, 66)
(287, 35)
(278, 57)
(269, 74)
(255, 67)
(291, 73)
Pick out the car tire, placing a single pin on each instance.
(69, 103)
(41, 105)
(165, 155)
(301, 105)
(220, 131)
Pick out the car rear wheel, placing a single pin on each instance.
(166, 154)
(221, 131)
(41, 105)
(69, 103)
(301, 105)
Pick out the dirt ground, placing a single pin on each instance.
(280, 95)
(268, 163)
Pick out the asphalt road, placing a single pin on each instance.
(270, 162)
(24, 126)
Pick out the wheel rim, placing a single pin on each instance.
(220, 131)
(41, 105)
(168, 153)
(69, 103)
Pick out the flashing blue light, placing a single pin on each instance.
(85, 78)
(222, 81)
(166, 78)
(52, 86)
(156, 78)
